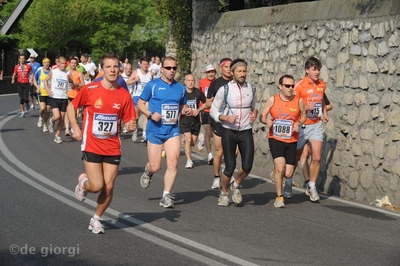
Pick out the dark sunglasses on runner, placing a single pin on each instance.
(288, 85)
(169, 68)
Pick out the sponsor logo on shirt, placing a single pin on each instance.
(98, 104)
(116, 106)
(104, 117)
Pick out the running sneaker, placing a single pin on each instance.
(236, 196)
(57, 139)
(80, 192)
(279, 202)
(95, 226)
(210, 159)
(51, 125)
(22, 115)
(200, 142)
(287, 191)
(189, 164)
(167, 201)
(144, 140)
(40, 122)
(27, 107)
(163, 154)
(32, 107)
(223, 200)
(216, 183)
(312, 193)
(134, 136)
(124, 130)
(145, 179)
(45, 129)
(67, 133)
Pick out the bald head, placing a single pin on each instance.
(189, 81)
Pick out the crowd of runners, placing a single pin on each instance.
(110, 97)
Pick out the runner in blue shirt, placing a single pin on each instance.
(166, 99)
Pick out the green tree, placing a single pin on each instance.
(99, 25)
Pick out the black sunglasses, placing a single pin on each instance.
(169, 68)
(288, 85)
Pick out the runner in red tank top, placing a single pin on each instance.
(23, 71)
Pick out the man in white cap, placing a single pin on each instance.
(204, 83)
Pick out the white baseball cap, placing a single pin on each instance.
(210, 68)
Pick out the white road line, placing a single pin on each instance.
(203, 259)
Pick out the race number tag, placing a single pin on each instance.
(315, 112)
(104, 125)
(282, 129)
(61, 84)
(169, 114)
(192, 104)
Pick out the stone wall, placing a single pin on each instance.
(358, 44)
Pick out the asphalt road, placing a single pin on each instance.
(43, 224)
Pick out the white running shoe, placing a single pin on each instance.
(189, 164)
(45, 129)
(57, 139)
(216, 183)
(80, 192)
(32, 107)
(51, 125)
(200, 142)
(236, 195)
(134, 136)
(22, 115)
(95, 226)
(312, 193)
(124, 130)
(210, 159)
(223, 200)
(279, 202)
(167, 201)
(40, 122)
(145, 179)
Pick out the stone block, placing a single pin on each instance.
(367, 134)
(355, 50)
(367, 178)
(383, 48)
(396, 168)
(371, 66)
(379, 147)
(372, 50)
(378, 30)
(365, 37)
(353, 179)
(394, 40)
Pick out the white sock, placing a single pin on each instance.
(96, 217)
(311, 184)
(165, 193)
(144, 133)
(235, 185)
(210, 154)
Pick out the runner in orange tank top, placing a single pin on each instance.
(287, 113)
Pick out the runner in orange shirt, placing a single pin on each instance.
(312, 89)
(287, 113)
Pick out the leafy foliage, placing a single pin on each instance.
(98, 26)
(179, 12)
